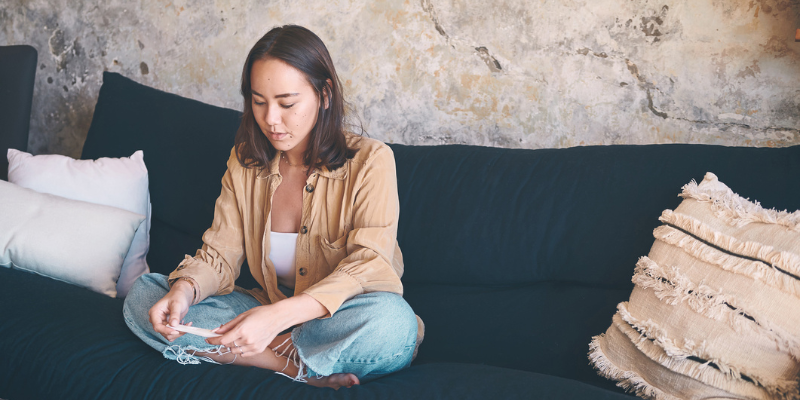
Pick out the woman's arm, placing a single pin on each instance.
(213, 269)
(254, 329)
(216, 265)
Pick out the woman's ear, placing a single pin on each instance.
(326, 94)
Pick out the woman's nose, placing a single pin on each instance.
(273, 116)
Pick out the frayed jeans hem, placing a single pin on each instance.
(182, 354)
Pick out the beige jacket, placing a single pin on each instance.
(347, 244)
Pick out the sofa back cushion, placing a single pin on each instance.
(186, 145)
(489, 216)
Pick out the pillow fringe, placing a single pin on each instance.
(782, 259)
(756, 270)
(670, 286)
(674, 357)
(628, 380)
(702, 372)
(734, 209)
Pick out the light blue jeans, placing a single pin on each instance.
(371, 335)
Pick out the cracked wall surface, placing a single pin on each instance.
(511, 73)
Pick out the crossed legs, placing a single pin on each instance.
(371, 335)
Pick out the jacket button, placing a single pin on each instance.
(309, 188)
(303, 272)
(304, 230)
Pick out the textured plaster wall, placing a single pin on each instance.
(511, 73)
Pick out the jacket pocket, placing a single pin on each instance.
(334, 252)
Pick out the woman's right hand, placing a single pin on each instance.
(171, 309)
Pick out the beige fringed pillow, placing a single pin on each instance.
(715, 311)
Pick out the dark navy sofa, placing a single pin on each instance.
(514, 259)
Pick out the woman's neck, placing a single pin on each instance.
(292, 160)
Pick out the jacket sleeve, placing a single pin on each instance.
(372, 241)
(216, 265)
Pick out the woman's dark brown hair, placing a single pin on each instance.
(303, 50)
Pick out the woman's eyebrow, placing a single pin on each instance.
(278, 96)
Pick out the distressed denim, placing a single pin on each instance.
(371, 335)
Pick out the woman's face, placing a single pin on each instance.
(285, 105)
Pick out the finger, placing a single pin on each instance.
(157, 319)
(217, 341)
(231, 339)
(174, 314)
(163, 329)
(249, 350)
(226, 327)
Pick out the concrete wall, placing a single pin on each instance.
(510, 73)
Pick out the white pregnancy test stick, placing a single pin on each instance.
(194, 331)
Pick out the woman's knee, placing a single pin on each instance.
(386, 316)
(145, 292)
(390, 309)
(371, 335)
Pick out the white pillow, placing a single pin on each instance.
(68, 240)
(115, 182)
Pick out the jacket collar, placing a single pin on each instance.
(274, 169)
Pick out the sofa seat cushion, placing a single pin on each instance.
(540, 328)
(65, 342)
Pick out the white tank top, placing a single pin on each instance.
(281, 253)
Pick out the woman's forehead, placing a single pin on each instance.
(272, 78)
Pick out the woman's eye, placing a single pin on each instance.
(287, 105)
(258, 104)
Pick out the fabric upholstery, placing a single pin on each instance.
(73, 241)
(71, 353)
(716, 303)
(17, 73)
(514, 259)
(116, 182)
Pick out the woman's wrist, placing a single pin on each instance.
(187, 288)
(302, 308)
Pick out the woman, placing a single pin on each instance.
(314, 209)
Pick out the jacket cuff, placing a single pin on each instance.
(334, 290)
(207, 281)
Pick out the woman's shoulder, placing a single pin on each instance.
(235, 165)
(367, 148)
(233, 159)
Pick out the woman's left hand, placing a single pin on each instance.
(252, 331)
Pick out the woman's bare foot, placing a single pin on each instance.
(334, 381)
(278, 358)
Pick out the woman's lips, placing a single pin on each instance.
(278, 135)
